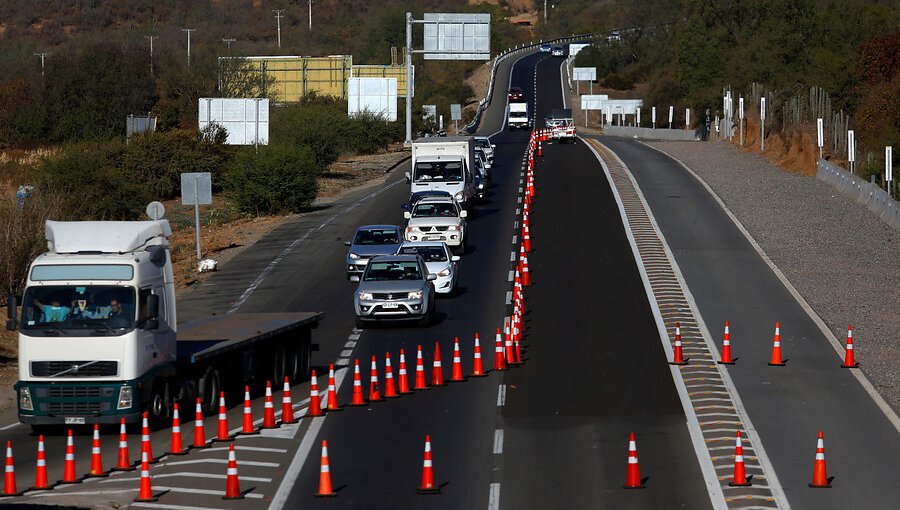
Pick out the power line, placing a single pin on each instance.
(189, 30)
(278, 20)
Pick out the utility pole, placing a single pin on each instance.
(189, 30)
(42, 55)
(151, 37)
(228, 42)
(278, 20)
(545, 11)
(310, 15)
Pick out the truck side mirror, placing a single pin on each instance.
(152, 312)
(11, 308)
(408, 177)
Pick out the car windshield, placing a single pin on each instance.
(434, 209)
(428, 253)
(63, 308)
(392, 271)
(375, 237)
(439, 171)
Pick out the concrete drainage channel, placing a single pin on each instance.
(712, 406)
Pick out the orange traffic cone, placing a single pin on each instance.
(849, 360)
(325, 490)
(332, 391)
(526, 274)
(420, 370)
(390, 389)
(146, 445)
(40, 474)
(510, 353)
(248, 427)
(678, 356)
(456, 374)
(9, 477)
(477, 365)
(358, 399)
(437, 371)
(428, 486)
(269, 409)
(69, 466)
(287, 406)
(199, 431)
(740, 473)
(518, 351)
(374, 391)
(499, 358)
(633, 477)
(403, 378)
(232, 485)
(776, 360)
(146, 493)
(222, 432)
(96, 455)
(526, 240)
(123, 460)
(820, 474)
(177, 445)
(541, 149)
(726, 347)
(315, 403)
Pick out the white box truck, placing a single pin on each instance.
(99, 338)
(518, 116)
(444, 163)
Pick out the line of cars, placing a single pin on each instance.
(400, 270)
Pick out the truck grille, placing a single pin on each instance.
(76, 392)
(98, 369)
(69, 408)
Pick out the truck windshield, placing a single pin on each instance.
(439, 171)
(79, 310)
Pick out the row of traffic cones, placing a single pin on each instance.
(232, 483)
(776, 360)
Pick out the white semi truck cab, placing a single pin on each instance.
(99, 338)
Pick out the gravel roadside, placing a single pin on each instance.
(841, 258)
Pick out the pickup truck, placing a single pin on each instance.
(437, 219)
(562, 125)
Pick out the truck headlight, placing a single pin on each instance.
(417, 294)
(454, 228)
(354, 256)
(365, 296)
(25, 400)
(458, 196)
(126, 397)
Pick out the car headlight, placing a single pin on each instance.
(25, 400)
(458, 196)
(414, 295)
(126, 399)
(445, 272)
(455, 228)
(354, 256)
(365, 296)
(481, 186)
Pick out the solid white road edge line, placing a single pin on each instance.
(838, 347)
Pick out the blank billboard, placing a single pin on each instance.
(457, 36)
(245, 119)
(377, 96)
(383, 71)
(584, 73)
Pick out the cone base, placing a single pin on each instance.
(233, 497)
(725, 362)
(442, 383)
(392, 396)
(223, 440)
(642, 486)
(291, 422)
(146, 500)
(379, 399)
(334, 409)
(202, 446)
(251, 433)
(269, 427)
(855, 365)
(97, 475)
(458, 380)
(423, 388)
(11, 494)
(776, 364)
(357, 404)
(47, 488)
(427, 491)
(184, 451)
(746, 484)
(483, 374)
(814, 486)
(325, 494)
(679, 363)
(73, 482)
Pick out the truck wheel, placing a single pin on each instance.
(157, 407)
(300, 361)
(279, 364)
(208, 391)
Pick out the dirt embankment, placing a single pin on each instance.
(794, 151)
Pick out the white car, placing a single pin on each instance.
(439, 261)
(484, 143)
(437, 219)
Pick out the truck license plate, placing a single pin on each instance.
(74, 420)
(391, 305)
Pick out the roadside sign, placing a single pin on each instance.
(155, 210)
(377, 96)
(196, 188)
(455, 112)
(454, 36)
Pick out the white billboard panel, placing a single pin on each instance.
(593, 102)
(377, 96)
(245, 119)
(613, 106)
(584, 73)
(457, 36)
(574, 48)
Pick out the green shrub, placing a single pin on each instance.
(279, 179)
(618, 81)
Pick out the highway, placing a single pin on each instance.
(553, 432)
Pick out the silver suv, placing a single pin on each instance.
(397, 287)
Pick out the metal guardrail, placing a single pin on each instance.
(865, 193)
(486, 100)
